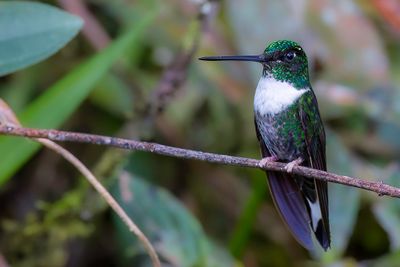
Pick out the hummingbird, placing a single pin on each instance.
(290, 130)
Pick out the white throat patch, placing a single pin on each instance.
(273, 96)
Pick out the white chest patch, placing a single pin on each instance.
(273, 96)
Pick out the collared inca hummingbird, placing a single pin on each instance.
(289, 129)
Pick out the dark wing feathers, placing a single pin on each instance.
(316, 159)
(289, 201)
(290, 193)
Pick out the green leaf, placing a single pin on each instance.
(176, 235)
(52, 108)
(31, 32)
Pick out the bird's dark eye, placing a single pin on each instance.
(290, 55)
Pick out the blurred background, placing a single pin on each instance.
(195, 213)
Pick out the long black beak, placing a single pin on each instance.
(255, 58)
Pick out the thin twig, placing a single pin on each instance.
(63, 136)
(8, 118)
(106, 196)
(175, 75)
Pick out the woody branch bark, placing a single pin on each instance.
(62, 136)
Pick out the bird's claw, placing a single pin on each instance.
(266, 160)
(289, 167)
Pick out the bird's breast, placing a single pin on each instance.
(274, 96)
(282, 134)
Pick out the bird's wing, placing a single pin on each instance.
(315, 191)
(289, 201)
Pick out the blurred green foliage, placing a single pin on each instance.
(147, 84)
(64, 97)
(175, 233)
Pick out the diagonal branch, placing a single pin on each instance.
(62, 136)
(7, 117)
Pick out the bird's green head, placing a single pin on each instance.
(286, 61)
(282, 60)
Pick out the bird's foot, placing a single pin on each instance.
(289, 167)
(266, 160)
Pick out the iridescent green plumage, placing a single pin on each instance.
(297, 71)
(296, 131)
(289, 129)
